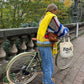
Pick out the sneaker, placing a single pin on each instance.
(53, 80)
(42, 83)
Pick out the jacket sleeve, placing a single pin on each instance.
(62, 31)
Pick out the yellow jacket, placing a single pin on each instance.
(43, 26)
(42, 30)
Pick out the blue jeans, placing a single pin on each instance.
(47, 64)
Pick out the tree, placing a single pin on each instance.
(68, 3)
(1, 15)
(16, 12)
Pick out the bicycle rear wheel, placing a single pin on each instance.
(63, 63)
(16, 70)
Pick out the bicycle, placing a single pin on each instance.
(24, 67)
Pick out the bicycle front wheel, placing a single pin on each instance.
(63, 63)
(16, 70)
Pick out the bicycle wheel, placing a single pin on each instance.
(22, 69)
(63, 63)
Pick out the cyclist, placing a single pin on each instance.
(49, 23)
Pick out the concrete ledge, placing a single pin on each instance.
(73, 25)
(17, 31)
(30, 30)
(1, 33)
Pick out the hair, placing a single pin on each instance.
(51, 7)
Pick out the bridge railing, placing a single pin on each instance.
(24, 35)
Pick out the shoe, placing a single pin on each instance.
(53, 80)
(42, 83)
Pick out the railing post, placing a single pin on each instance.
(2, 51)
(13, 48)
(31, 45)
(23, 46)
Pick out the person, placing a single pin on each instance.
(49, 23)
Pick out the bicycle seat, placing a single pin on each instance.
(34, 39)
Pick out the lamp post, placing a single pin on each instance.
(75, 18)
(75, 12)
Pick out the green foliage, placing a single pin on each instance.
(5, 79)
(6, 46)
(63, 13)
(17, 12)
(34, 11)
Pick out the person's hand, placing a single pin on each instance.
(68, 34)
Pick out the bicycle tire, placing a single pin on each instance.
(15, 68)
(63, 63)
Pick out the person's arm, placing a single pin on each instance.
(62, 31)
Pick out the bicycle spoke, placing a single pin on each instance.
(23, 70)
(63, 63)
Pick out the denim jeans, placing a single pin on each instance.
(47, 64)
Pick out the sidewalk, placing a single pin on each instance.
(75, 73)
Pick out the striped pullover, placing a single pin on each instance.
(56, 27)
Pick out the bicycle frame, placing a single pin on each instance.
(17, 56)
(31, 66)
(37, 56)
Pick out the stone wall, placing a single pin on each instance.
(23, 35)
